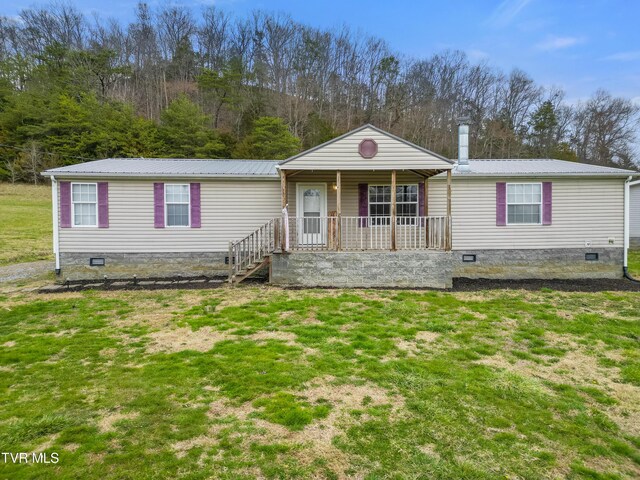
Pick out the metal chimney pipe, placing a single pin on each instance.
(463, 144)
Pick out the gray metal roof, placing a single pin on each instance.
(536, 167)
(169, 167)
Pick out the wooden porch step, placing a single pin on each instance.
(250, 270)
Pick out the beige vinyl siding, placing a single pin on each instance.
(634, 211)
(583, 210)
(230, 209)
(343, 154)
(350, 181)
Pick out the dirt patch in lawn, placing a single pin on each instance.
(108, 421)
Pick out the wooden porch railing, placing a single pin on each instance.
(337, 234)
(369, 233)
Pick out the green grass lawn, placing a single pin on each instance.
(261, 382)
(634, 263)
(25, 216)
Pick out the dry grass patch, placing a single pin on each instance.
(581, 370)
(287, 337)
(417, 345)
(204, 339)
(316, 439)
(179, 339)
(427, 336)
(107, 422)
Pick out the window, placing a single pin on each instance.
(406, 204)
(380, 204)
(524, 203)
(177, 205)
(84, 201)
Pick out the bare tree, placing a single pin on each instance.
(605, 128)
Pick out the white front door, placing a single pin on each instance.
(312, 213)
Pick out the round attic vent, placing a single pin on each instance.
(368, 148)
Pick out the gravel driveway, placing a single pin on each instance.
(20, 271)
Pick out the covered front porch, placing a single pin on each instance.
(356, 210)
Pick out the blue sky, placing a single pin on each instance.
(576, 45)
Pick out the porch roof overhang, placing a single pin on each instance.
(428, 173)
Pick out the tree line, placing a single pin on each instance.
(179, 83)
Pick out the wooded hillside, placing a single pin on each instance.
(182, 83)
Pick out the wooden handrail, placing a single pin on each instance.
(252, 249)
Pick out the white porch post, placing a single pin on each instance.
(339, 210)
(54, 211)
(284, 231)
(393, 210)
(448, 227)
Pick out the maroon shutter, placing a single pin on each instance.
(363, 203)
(501, 204)
(158, 205)
(421, 202)
(65, 204)
(547, 203)
(194, 197)
(103, 205)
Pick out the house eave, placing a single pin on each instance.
(152, 176)
(538, 175)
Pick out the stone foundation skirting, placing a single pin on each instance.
(411, 269)
(557, 263)
(634, 242)
(425, 269)
(76, 266)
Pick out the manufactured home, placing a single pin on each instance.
(634, 211)
(365, 209)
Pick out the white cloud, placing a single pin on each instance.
(504, 13)
(624, 56)
(558, 43)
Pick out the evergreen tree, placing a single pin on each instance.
(268, 139)
(543, 126)
(185, 131)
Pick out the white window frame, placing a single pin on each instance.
(417, 203)
(73, 206)
(166, 209)
(507, 203)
